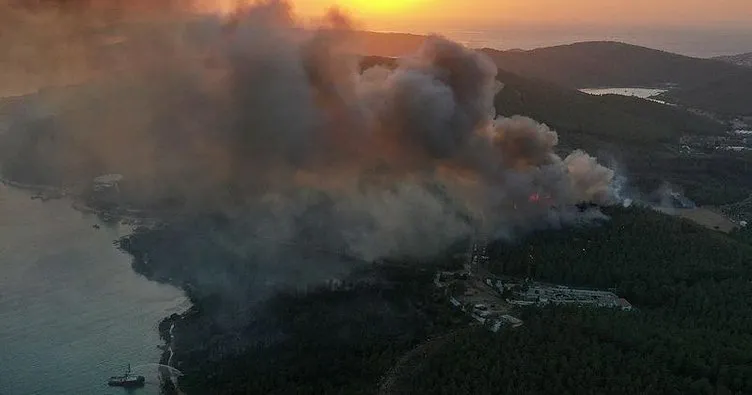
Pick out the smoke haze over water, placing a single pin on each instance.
(275, 123)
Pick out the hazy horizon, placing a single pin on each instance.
(615, 13)
(695, 43)
(691, 27)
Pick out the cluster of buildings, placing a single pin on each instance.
(525, 294)
(475, 299)
(489, 301)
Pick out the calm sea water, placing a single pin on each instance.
(72, 311)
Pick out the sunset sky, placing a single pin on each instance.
(433, 14)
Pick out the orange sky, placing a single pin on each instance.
(434, 14)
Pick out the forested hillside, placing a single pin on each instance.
(715, 85)
(729, 95)
(654, 260)
(608, 118)
(707, 84)
(689, 333)
(742, 59)
(607, 63)
(323, 342)
(641, 136)
(611, 118)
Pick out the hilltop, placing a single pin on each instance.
(607, 63)
(610, 118)
(707, 84)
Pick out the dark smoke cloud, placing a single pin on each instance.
(442, 96)
(276, 125)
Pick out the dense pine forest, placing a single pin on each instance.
(688, 334)
(323, 342)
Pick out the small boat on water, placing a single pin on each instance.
(127, 380)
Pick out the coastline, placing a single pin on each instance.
(168, 382)
(55, 192)
(125, 216)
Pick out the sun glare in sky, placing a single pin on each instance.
(381, 7)
(376, 14)
(368, 11)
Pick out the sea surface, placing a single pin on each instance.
(72, 311)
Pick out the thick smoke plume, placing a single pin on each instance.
(276, 124)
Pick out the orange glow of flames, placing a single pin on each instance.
(538, 198)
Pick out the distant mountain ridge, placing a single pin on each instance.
(742, 59)
(708, 84)
(608, 118)
(607, 64)
(591, 64)
(639, 134)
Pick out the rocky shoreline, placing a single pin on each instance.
(168, 384)
(132, 217)
(126, 216)
(42, 190)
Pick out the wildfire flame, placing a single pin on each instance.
(537, 197)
